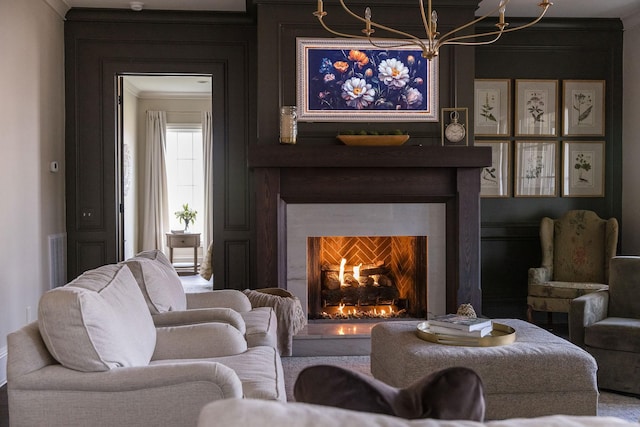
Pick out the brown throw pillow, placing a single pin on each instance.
(454, 393)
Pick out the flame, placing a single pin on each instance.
(341, 274)
(356, 272)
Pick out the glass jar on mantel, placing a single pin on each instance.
(288, 125)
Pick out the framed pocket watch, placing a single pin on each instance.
(454, 127)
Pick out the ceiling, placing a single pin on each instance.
(561, 8)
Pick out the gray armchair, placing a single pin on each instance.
(607, 325)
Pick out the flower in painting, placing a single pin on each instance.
(368, 73)
(411, 59)
(393, 73)
(357, 93)
(414, 98)
(341, 66)
(418, 81)
(359, 57)
(329, 77)
(325, 66)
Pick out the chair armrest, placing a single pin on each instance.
(229, 298)
(539, 275)
(201, 315)
(585, 311)
(57, 378)
(200, 341)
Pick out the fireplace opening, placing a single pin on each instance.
(366, 277)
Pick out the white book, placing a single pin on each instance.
(463, 323)
(460, 333)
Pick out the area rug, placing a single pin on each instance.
(610, 404)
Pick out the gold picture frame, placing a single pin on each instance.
(536, 168)
(536, 108)
(583, 168)
(495, 180)
(492, 108)
(583, 107)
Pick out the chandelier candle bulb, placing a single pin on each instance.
(288, 125)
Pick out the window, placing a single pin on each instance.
(185, 180)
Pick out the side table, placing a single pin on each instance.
(184, 240)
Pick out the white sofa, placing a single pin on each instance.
(169, 305)
(257, 413)
(95, 357)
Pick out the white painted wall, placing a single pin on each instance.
(131, 204)
(630, 234)
(31, 136)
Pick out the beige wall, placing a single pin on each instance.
(31, 136)
(630, 236)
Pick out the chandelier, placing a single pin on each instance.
(434, 41)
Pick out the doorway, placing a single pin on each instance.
(183, 98)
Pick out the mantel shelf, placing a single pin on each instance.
(332, 156)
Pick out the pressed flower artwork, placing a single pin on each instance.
(536, 107)
(492, 107)
(583, 109)
(344, 80)
(535, 169)
(583, 169)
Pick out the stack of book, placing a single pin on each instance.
(462, 326)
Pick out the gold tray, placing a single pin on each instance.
(500, 335)
(373, 139)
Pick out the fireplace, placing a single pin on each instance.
(312, 191)
(366, 277)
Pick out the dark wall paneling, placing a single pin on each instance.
(238, 268)
(101, 44)
(576, 49)
(87, 251)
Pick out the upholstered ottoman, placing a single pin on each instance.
(539, 374)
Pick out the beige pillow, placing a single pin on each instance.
(158, 281)
(98, 322)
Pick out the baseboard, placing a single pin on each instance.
(3, 366)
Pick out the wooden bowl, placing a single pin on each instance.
(380, 140)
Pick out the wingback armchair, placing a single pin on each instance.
(607, 325)
(576, 250)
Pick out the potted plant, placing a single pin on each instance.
(186, 215)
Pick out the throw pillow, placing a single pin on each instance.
(454, 393)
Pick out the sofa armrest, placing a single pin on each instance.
(229, 298)
(201, 315)
(200, 341)
(57, 378)
(539, 275)
(585, 311)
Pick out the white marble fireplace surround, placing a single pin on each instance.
(369, 219)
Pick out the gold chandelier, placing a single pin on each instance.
(434, 41)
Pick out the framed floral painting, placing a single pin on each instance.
(536, 107)
(536, 165)
(495, 180)
(583, 107)
(583, 169)
(492, 107)
(351, 80)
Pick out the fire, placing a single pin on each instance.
(341, 274)
(356, 271)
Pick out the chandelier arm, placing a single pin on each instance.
(455, 40)
(475, 21)
(426, 22)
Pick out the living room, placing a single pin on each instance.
(39, 87)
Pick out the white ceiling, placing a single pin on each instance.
(561, 8)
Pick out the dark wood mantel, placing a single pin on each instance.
(343, 174)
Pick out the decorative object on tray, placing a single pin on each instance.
(463, 323)
(466, 310)
(396, 137)
(499, 335)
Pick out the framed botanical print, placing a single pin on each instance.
(583, 107)
(583, 169)
(492, 115)
(536, 107)
(495, 180)
(535, 172)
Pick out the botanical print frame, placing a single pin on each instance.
(495, 180)
(536, 107)
(583, 169)
(583, 107)
(492, 107)
(535, 172)
(342, 80)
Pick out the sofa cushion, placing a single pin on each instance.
(97, 322)
(158, 281)
(454, 393)
(614, 333)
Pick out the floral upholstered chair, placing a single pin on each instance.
(576, 250)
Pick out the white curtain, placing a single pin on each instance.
(207, 155)
(155, 206)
